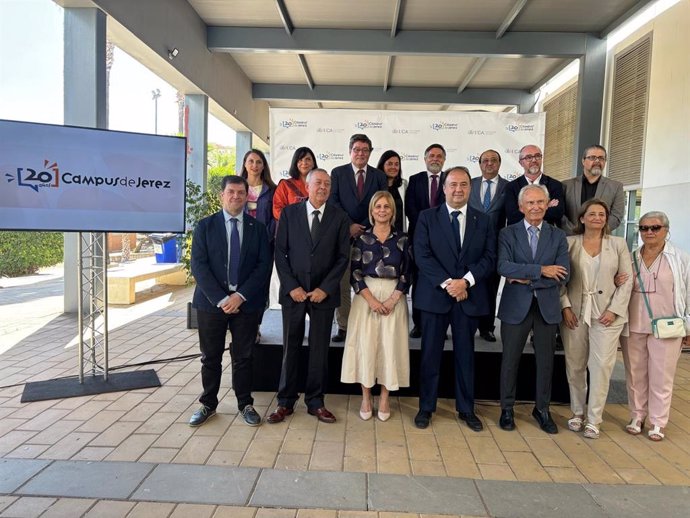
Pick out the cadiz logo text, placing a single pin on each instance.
(367, 124)
(51, 177)
(292, 123)
(513, 128)
(442, 126)
(331, 156)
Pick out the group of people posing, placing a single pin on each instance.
(450, 238)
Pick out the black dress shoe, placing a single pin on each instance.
(416, 332)
(543, 417)
(487, 336)
(422, 419)
(507, 420)
(339, 336)
(201, 416)
(473, 422)
(250, 416)
(279, 415)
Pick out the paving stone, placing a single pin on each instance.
(198, 484)
(535, 500)
(321, 490)
(441, 495)
(642, 501)
(88, 479)
(15, 472)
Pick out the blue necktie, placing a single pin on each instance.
(487, 196)
(234, 267)
(455, 225)
(533, 239)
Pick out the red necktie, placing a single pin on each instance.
(434, 191)
(360, 184)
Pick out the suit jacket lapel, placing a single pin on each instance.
(247, 237)
(444, 222)
(544, 237)
(220, 230)
(522, 238)
(470, 227)
(475, 193)
(351, 181)
(499, 190)
(326, 221)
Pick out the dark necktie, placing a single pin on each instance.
(315, 224)
(360, 184)
(433, 191)
(455, 224)
(234, 267)
(487, 196)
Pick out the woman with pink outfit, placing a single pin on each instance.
(661, 272)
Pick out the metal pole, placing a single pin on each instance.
(156, 94)
(80, 306)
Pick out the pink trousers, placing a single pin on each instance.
(650, 366)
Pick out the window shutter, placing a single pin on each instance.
(559, 141)
(629, 112)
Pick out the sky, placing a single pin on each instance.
(31, 77)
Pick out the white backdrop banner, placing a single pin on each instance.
(464, 135)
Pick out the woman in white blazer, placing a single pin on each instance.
(390, 164)
(594, 313)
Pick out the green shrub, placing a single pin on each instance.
(199, 205)
(23, 253)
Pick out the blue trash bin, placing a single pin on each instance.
(165, 247)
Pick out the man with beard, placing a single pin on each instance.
(424, 191)
(592, 184)
(531, 161)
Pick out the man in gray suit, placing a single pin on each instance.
(533, 257)
(592, 184)
(488, 196)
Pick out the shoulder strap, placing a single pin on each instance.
(639, 280)
(293, 187)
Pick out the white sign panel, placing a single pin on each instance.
(81, 179)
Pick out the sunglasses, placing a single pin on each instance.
(653, 228)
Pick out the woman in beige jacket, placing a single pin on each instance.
(594, 313)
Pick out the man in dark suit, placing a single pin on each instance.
(231, 262)
(531, 159)
(424, 191)
(312, 252)
(455, 250)
(592, 184)
(533, 257)
(353, 185)
(488, 196)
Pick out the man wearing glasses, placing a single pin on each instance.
(592, 184)
(352, 186)
(531, 160)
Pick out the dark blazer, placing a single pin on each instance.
(437, 260)
(210, 264)
(417, 198)
(264, 210)
(300, 262)
(344, 191)
(496, 212)
(553, 214)
(515, 262)
(609, 191)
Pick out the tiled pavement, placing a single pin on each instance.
(142, 434)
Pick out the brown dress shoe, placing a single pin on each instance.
(279, 415)
(323, 415)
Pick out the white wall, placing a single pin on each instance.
(666, 166)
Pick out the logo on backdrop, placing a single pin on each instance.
(403, 131)
(330, 156)
(367, 124)
(293, 123)
(481, 132)
(473, 158)
(514, 128)
(330, 130)
(443, 126)
(50, 177)
(288, 147)
(408, 156)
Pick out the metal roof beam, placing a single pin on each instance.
(476, 66)
(548, 77)
(389, 71)
(510, 18)
(395, 94)
(397, 17)
(370, 41)
(306, 71)
(285, 16)
(639, 6)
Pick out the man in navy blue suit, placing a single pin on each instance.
(488, 196)
(533, 257)
(531, 161)
(455, 250)
(424, 191)
(353, 185)
(231, 263)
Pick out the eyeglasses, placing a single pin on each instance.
(653, 228)
(529, 158)
(361, 150)
(593, 158)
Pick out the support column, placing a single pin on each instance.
(243, 143)
(84, 105)
(527, 103)
(196, 131)
(590, 97)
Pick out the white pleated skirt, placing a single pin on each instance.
(376, 346)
